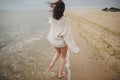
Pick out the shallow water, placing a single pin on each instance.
(25, 52)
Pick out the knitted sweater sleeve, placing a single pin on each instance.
(67, 36)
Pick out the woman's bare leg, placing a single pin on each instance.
(55, 58)
(61, 71)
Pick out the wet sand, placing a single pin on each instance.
(25, 53)
(97, 34)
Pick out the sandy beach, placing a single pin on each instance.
(97, 33)
(25, 53)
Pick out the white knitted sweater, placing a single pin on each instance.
(60, 34)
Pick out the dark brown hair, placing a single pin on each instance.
(58, 9)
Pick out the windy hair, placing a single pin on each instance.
(58, 9)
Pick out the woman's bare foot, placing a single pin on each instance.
(61, 75)
(51, 66)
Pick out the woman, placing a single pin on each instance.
(60, 35)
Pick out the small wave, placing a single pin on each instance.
(3, 44)
(68, 65)
(34, 39)
(21, 44)
(31, 40)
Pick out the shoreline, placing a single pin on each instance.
(99, 52)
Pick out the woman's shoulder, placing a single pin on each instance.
(66, 17)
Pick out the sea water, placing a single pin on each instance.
(25, 53)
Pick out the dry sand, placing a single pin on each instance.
(97, 34)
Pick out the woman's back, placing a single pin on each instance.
(60, 35)
(57, 27)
